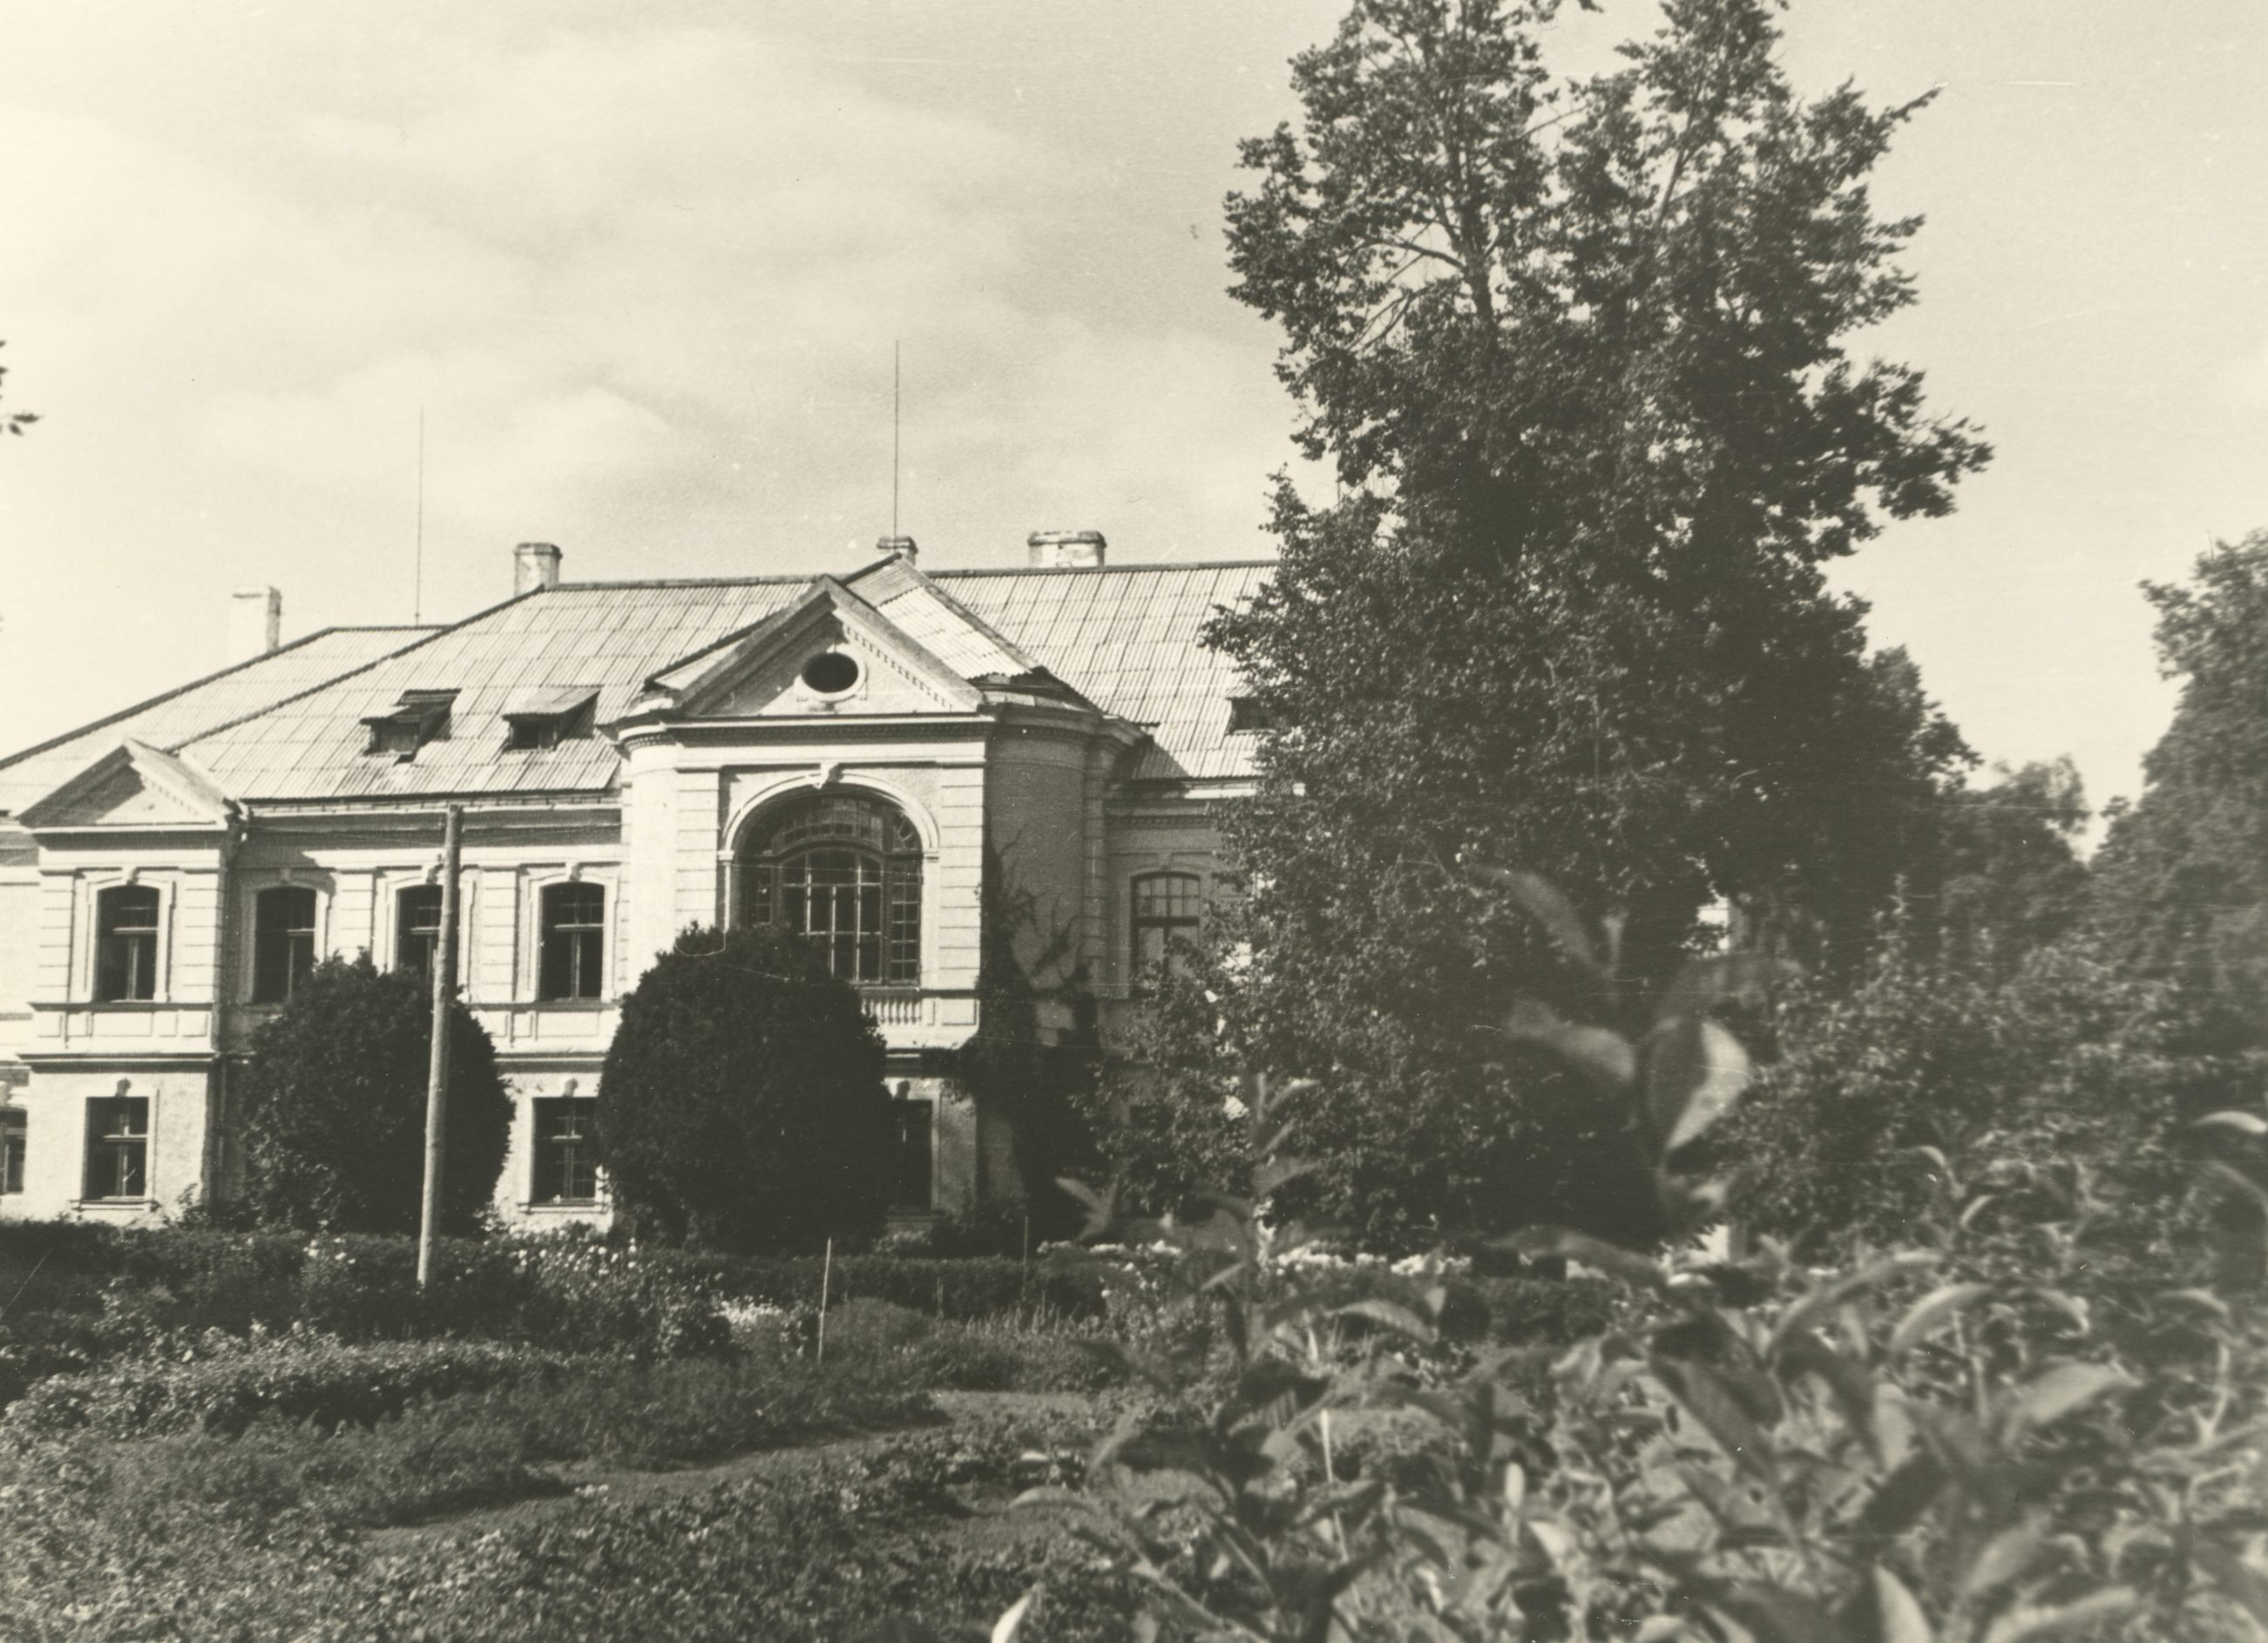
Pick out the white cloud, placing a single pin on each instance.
(641, 278)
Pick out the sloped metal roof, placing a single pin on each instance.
(205, 705)
(1126, 636)
(941, 624)
(607, 637)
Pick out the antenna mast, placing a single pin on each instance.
(895, 379)
(417, 578)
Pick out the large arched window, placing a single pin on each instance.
(844, 873)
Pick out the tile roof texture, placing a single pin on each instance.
(1126, 637)
(205, 705)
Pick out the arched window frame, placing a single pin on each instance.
(284, 953)
(243, 961)
(409, 952)
(103, 898)
(782, 838)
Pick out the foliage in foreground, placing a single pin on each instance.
(742, 1104)
(334, 1106)
(2007, 1431)
(195, 1535)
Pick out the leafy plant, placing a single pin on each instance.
(1979, 1440)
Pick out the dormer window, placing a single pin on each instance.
(547, 717)
(1246, 712)
(418, 718)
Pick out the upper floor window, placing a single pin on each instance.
(283, 941)
(418, 930)
(572, 964)
(844, 873)
(126, 943)
(1167, 907)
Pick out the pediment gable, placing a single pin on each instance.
(773, 671)
(133, 785)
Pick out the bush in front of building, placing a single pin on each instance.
(742, 1105)
(334, 1106)
(224, 1383)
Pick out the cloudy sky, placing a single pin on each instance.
(640, 268)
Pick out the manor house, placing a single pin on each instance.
(871, 761)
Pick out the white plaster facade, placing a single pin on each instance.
(1066, 773)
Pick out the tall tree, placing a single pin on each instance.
(1579, 352)
(2181, 885)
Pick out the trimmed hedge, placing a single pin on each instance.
(959, 1291)
(311, 1378)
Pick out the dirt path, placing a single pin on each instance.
(585, 1483)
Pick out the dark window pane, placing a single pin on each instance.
(916, 1154)
(117, 1147)
(844, 871)
(418, 930)
(1168, 908)
(283, 941)
(126, 943)
(566, 1150)
(14, 1132)
(572, 962)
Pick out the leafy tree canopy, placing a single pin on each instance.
(2182, 881)
(334, 1106)
(742, 1105)
(2006, 879)
(1580, 352)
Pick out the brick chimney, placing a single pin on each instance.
(903, 546)
(534, 566)
(1066, 550)
(255, 622)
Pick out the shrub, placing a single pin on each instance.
(2065, 1059)
(898, 1346)
(224, 1384)
(2028, 1429)
(742, 1104)
(334, 1106)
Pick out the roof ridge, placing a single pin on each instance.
(611, 583)
(1103, 570)
(143, 706)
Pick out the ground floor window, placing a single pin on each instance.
(13, 1132)
(118, 1147)
(566, 1150)
(917, 1158)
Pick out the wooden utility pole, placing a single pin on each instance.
(437, 1078)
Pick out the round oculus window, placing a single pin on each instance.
(830, 672)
